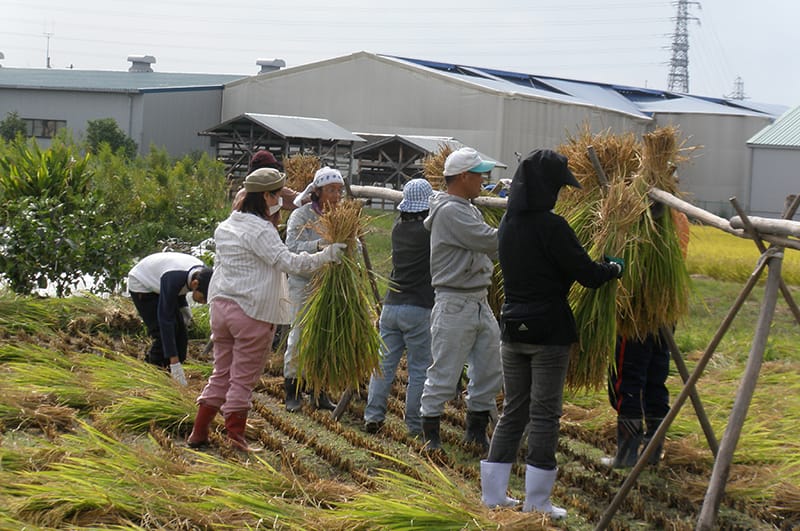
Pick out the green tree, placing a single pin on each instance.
(106, 130)
(12, 125)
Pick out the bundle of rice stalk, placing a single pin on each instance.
(618, 156)
(46, 384)
(115, 376)
(339, 345)
(661, 154)
(657, 279)
(300, 170)
(433, 166)
(596, 310)
(165, 406)
(404, 502)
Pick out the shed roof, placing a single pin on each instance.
(287, 127)
(107, 81)
(424, 144)
(784, 132)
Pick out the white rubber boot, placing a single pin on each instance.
(494, 484)
(538, 487)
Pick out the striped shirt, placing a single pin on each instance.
(251, 264)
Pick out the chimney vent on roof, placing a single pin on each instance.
(141, 63)
(270, 65)
(2, 57)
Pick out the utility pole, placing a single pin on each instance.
(679, 64)
(48, 34)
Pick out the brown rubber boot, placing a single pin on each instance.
(199, 436)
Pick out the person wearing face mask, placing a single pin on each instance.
(324, 191)
(248, 300)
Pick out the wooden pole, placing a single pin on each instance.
(598, 169)
(753, 231)
(699, 410)
(684, 394)
(722, 465)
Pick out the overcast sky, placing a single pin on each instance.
(615, 41)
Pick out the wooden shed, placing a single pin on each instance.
(389, 159)
(235, 140)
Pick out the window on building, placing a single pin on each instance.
(44, 128)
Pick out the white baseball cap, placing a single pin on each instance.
(466, 159)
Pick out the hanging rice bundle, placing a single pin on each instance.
(596, 310)
(433, 166)
(339, 346)
(300, 170)
(658, 281)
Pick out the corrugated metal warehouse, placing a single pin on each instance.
(503, 113)
(162, 109)
(776, 165)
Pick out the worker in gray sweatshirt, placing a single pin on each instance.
(463, 327)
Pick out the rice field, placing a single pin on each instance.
(93, 438)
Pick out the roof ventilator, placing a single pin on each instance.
(141, 63)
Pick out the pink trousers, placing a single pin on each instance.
(241, 346)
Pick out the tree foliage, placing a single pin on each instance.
(107, 131)
(12, 125)
(65, 217)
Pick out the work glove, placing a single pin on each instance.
(186, 315)
(617, 263)
(176, 370)
(333, 252)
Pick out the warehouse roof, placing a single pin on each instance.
(107, 80)
(784, 132)
(636, 101)
(286, 127)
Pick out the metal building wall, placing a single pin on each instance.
(370, 95)
(529, 124)
(171, 119)
(775, 175)
(76, 107)
(720, 168)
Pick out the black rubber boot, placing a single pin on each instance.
(477, 421)
(292, 395)
(629, 437)
(430, 433)
(321, 401)
(652, 424)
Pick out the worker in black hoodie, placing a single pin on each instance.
(541, 257)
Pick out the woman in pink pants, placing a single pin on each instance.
(248, 300)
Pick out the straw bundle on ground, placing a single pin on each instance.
(300, 170)
(339, 346)
(433, 166)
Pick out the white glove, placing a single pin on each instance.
(176, 370)
(186, 314)
(333, 252)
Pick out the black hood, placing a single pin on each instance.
(537, 181)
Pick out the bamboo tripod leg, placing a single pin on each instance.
(681, 399)
(722, 465)
(699, 410)
(787, 295)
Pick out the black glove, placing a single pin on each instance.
(617, 263)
